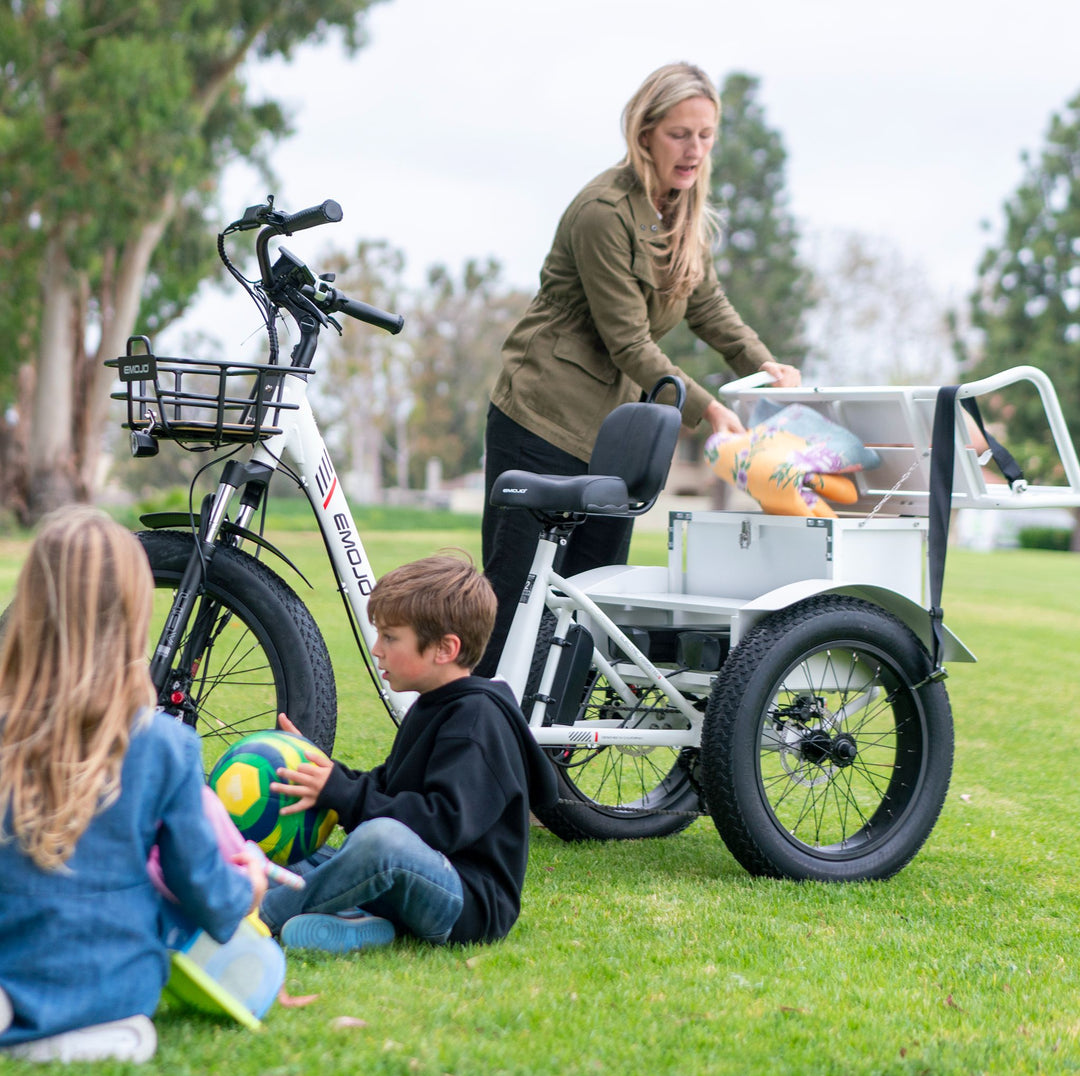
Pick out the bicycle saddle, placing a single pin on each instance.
(627, 470)
(587, 493)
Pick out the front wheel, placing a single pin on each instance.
(250, 651)
(826, 751)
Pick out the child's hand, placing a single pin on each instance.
(306, 782)
(254, 862)
(286, 725)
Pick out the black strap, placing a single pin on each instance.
(942, 461)
(1009, 468)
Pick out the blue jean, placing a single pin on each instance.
(383, 868)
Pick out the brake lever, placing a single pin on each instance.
(256, 216)
(296, 296)
(322, 292)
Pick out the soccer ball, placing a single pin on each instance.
(241, 778)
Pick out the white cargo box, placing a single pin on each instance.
(744, 555)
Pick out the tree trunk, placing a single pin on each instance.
(14, 431)
(119, 302)
(51, 465)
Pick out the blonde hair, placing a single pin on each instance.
(438, 596)
(690, 223)
(73, 678)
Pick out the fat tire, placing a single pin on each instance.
(745, 722)
(635, 794)
(297, 675)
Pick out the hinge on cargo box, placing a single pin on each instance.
(744, 535)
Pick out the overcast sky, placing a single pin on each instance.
(465, 126)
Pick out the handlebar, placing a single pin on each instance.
(327, 213)
(278, 223)
(290, 285)
(333, 301)
(392, 323)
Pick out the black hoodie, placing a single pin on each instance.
(461, 774)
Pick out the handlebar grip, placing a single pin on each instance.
(392, 323)
(327, 213)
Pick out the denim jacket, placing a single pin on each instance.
(83, 945)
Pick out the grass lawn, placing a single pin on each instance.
(665, 957)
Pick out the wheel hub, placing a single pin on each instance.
(820, 748)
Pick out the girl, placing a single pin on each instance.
(629, 261)
(91, 778)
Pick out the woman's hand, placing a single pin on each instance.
(722, 419)
(784, 377)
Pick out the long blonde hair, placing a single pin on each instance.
(690, 223)
(73, 677)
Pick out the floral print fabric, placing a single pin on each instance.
(790, 460)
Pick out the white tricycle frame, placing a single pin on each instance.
(775, 674)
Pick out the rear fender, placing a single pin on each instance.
(904, 609)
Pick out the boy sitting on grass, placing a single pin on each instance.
(439, 832)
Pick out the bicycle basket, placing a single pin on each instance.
(208, 401)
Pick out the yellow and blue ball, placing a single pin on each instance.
(242, 777)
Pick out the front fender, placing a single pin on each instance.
(185, 521)
(904, 609)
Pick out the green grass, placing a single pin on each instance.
(665, 957)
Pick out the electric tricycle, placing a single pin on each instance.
(783, 675)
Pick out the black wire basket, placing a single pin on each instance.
(206, 401)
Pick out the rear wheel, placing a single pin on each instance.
(826, 751)
(256, 651)
(628, 791)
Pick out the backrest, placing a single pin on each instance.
(636, 442)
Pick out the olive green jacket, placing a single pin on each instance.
(588, 341)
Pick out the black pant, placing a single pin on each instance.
(510, 534)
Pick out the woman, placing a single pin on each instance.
(630, 260)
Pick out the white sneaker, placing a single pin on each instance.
(132, 1039)
(6, 1015)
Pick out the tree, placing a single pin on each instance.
(397, 402)
(458, 328)
(116, 119)
(364, 398)
(1026, 306)
(756, 259)
(876, 320)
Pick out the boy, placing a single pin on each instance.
(439, 832)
